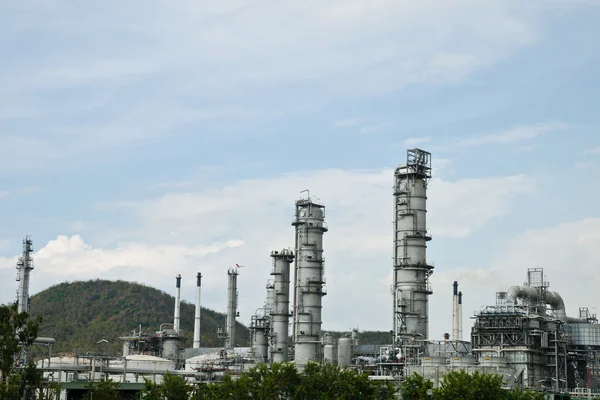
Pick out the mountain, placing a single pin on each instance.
(80, 314)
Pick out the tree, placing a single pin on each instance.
(462, 385)
(17, 333)
(102, 390)
(174, 387)
(415, 387)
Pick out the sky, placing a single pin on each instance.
(146, 139)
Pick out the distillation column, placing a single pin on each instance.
(198, 309)
(177, 303)
(411, 286)
(24, 267)
(309, 281)
(280, 314)
(232, 297)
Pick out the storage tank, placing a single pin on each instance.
(344, 352)
(172, 347)
(149, 363)
(330, 353)
(259, 345)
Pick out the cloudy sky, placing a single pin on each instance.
(144, 139)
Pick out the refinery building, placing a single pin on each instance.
(524, 334)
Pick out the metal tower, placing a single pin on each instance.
(176, 319)
(411, 286)
(198, 310)
(24, 267)
(280, 314)
(232, 298)
(308, 280)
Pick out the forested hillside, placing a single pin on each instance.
(80, 314)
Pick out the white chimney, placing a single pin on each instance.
(197, 318)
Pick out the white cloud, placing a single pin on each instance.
(415, 141)
(586, 165)
(592, 151)
(514, 135)
(568, 253)
(211, 229)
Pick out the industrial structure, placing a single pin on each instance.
(24, 267)
(526, 336)
(309, 281)
(411, 287)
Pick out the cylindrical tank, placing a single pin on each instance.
(172, 348)
(280, 313)
(344, 352)
(309, 280)
(126, 346)
(330, 354)
(411, 270)
(259, 345)
(462, 361)
(433, 361)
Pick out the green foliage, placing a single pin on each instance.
(102, 390)
(174, 387)
(80, 314)
(17, 332)
(465, 386)
(279, 382)
(415, 387)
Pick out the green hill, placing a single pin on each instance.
(80, 314)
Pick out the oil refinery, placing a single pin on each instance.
(524, 335)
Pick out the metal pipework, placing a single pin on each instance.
(24, 267)
(460, 324)
(411, 271)
(309, 280)
(177, 303)
(198, 310)
(455, 322)
(232, 297)
(280, 313)
(531, 295)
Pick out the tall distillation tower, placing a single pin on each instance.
(411, 287)
(232, 298)
(24, 267)
(280, 314)
(308, 280)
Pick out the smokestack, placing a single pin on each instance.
(198, 308)
(460, 327)
(177, 301)
(455, 312)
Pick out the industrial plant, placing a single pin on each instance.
(525, 336)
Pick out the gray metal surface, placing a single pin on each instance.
(344, 350)
(584, 334)
(197, 313)
(330, 353)
(280, 313)
(232, 297)
(411, 269)
(309, 281)
(177, 303)
(24, 267)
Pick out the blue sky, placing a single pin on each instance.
(156, 138)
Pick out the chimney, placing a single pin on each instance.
(177, 301)
(455, 322)
(460, 327)
(197, 318)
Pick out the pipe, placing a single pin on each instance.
(198, 309)
(460, 325)
(455, 329)
(553, 299)
(177, 303)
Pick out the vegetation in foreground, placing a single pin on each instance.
(462, 385)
